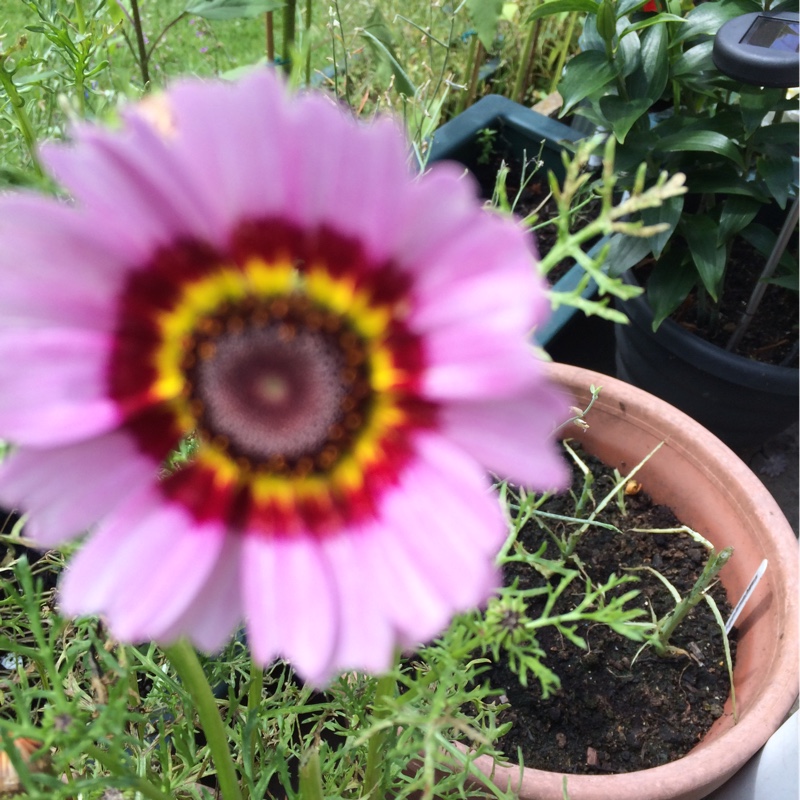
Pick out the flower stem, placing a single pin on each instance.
(184, 659)
(23, 121)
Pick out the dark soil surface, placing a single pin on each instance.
(612, 715)
(772, 336)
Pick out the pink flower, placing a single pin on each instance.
(344, 343)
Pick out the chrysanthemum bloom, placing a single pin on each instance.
(346, 344)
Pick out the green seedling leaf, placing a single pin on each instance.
(485, 15)
(231, 9)
(701, 142)
(586, 74)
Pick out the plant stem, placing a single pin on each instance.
(667, 626)
(24, 123)
(269, 22)
(289, 15)
(137, 26)
(184, 659)
(518, 92)
(309, 17)
(141, 785)
(374, 773)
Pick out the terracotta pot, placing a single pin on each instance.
(710, 489)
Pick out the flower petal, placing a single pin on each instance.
(54, 386)
(209, 118)
(290, 603)
(512, 436)
(67, 489)
(72, 267)
(143, 568)
(131, 184)
(216, 612)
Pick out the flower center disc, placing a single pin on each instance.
(287, 394)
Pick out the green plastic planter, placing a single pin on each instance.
(569, 336)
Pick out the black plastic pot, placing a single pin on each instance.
(569, 336)
(742, 401)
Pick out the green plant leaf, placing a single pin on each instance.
(655, 19)
(707, 18)
(622, 114)
(625, 252)
(709, 258)
(737, 213)
(650, 80)
(669, 284)
(693, 61)
(586, 74)
(668, 212)
(485, 15)
(701, 141)
(779, 173)
(781, 133)
(231, 9)
(560, 6)
(755, 103)
(402, 82)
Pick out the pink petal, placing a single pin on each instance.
(343, 184)
(465, 362)
(54, 388)
(67, 489)
(132, 185)
(364, 641)
(72, 267)
(513, 436)
(143, 568)
(216, 612)
(251, 178)
(290, 603)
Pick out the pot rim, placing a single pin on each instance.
(712, 762)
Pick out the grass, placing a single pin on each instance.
(67, 60)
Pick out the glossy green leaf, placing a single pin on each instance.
(485, 15)
(622, 114)
(701, 141)
(779, 173)
(625, 252)
(695, 60)
(755, 103)
(560, 6)
(650, 80)
(708, 18)
(653, 20)
(668, 212)
(669, 284)
(586, 74)
(709, 258)
(737, 213)
(781, 133)
(231, 9)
